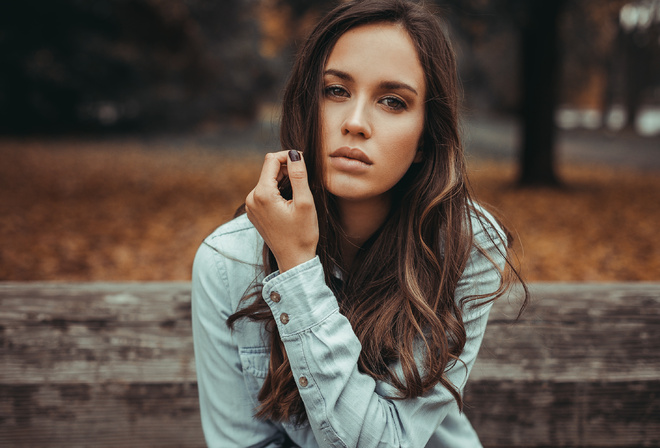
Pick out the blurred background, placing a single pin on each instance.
(130, 129)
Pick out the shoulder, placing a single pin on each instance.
(234, 235)
(489, 252)
(236, 241)
(482, 276)
(486, 229)
(229, 260)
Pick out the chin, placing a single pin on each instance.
(355, 194)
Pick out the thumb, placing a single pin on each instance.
(298, 177)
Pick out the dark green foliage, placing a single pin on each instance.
(300, 7)
(72, 65)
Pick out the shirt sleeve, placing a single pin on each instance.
(347, 408)
(225, 404)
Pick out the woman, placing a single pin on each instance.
(347, 305)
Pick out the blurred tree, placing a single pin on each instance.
(534, 27)
(588, 33)
(637, 51)
(127, 64)
(301, 7)
(539, 40)
(158, 64)
(508, 59)
(484, 34)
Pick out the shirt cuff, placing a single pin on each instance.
(299, 298)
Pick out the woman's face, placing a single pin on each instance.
(372, 111)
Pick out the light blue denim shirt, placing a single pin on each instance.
(345, 408)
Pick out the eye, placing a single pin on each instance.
(336, 91)
(394, 103)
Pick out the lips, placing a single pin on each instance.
(353, 154)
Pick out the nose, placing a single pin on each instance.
(357, 121)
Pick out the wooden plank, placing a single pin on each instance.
(100, 415)
(580, 368)
(575, 332)
(91, 333)
(97, 365)
(141, 332)
(113, 364)
(515, 413)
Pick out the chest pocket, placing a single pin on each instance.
(255, 361)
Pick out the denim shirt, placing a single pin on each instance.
(345, 408)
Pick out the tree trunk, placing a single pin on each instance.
(540, 70)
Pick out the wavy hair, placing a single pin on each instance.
(399, 290)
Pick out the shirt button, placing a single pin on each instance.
(284, 318)
(275, 297)
(303, 381)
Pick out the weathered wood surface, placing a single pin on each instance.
(96, 333)
(103, 365)
(581, 368)
(112, 365)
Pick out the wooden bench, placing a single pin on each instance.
(111, 364)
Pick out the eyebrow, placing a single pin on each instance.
(386, 85)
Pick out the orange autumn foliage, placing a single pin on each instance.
(125, 210)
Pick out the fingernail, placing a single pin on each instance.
(294, 155)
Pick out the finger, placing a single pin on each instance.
(248, 204)
(271, 169)
(284, 172)
(298, 178)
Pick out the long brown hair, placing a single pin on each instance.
(400, 288)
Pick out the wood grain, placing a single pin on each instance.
(580, 368)
(103, 364)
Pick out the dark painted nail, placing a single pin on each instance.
(294, 155)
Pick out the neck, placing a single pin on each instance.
(359, 221)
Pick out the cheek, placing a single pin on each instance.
(326, 125)
(402, 151)
(404, 141)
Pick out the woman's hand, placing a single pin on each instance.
(289, 228)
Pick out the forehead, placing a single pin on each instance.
(380, 51)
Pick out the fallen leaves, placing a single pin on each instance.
(601, 226)
(126, 210)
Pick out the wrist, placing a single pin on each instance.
(290, 262)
